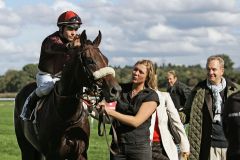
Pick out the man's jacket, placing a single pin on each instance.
(200, 111)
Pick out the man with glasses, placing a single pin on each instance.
(54, 54)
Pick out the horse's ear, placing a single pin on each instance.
(97, 41)
(83, 37)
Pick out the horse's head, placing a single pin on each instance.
(92, 69)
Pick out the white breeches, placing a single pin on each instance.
(45, 83)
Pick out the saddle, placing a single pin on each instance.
(38, 106)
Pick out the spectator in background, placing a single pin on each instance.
(179, 91)
(231, 126)
(204, 107)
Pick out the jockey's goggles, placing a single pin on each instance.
(72, 27)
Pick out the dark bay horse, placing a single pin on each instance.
(62, 129)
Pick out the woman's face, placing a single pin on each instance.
(139, 73)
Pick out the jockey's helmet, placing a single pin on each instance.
(69, 18)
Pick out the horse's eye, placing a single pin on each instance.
(89, 61)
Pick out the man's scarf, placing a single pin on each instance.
(217, 99)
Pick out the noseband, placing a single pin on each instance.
(103, 72)
(94, 78)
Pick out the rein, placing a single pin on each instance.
(102, 118)
(93, 86)
(102, 130)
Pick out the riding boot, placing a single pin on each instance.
(29, 105)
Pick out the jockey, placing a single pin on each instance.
(54, 54)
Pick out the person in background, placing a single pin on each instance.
(54, 54)
(178, 91)
(231, 125)
(132, 116)
(204, 108)
(163, 146)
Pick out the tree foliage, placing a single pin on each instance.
(14, 80)
(31, 70)
(228, 63)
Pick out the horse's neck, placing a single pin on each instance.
(67, 84)
(67, 100)
(67, 87)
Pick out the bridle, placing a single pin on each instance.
(95, 78)
(93, 82)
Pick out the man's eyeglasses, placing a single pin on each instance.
(72, 28)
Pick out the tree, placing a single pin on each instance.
(2, 84)
(31, 70)
(16, 80)
(123, 75)
(228, 63)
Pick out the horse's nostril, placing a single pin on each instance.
(114, 91)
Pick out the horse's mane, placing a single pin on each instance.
(89, 42)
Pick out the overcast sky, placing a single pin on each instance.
(172, 31)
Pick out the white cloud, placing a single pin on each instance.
(8, 47)
(62, 6)
(2, 4)
(7, 32)
(175, 31)
(9, 17)
(216, 36)
(161, 32)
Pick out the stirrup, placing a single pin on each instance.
(25, 111)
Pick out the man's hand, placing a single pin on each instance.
(182, 117)
(74, 44)
(185, 155)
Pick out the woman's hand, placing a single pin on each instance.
(107, 106)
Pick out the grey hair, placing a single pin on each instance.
(215, 57)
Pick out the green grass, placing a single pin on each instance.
(9, 149)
